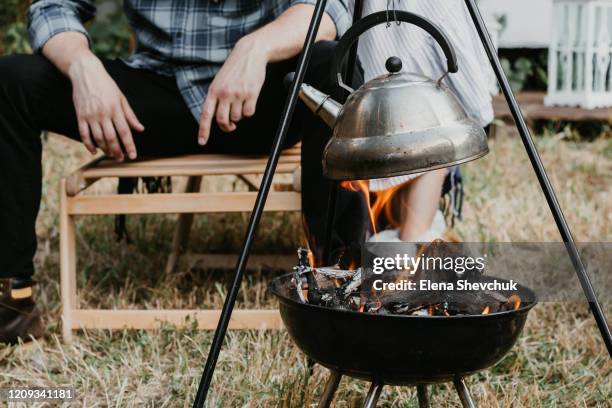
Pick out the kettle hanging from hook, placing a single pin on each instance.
(398, 123)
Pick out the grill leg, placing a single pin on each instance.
(310, 363)
(330, 389)
(423, 397)
(464, 394)
(373, 395)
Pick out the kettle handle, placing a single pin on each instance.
(381, 17)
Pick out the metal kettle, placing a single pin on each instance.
(398, 123)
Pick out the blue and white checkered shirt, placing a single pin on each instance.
(188, 39)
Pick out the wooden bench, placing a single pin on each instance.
(75, 202)
(532, 105)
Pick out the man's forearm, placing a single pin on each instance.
(67, 50)
(284, 37)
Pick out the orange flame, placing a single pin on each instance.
(486, 310)
(382, 201)
(515, 300)
(364, 187)
(311, 259)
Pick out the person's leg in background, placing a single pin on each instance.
(351, 217)
(419, 201)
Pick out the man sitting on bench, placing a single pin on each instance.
(206, 76)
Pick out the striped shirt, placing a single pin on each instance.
(421, 54)
(187, 39)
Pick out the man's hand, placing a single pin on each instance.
(234, 91)
(103, 112)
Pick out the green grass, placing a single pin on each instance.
(559, 360)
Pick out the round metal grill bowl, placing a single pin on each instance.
(396, 349)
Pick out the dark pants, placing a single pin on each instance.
(35, 96)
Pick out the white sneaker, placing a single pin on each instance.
(436, 231)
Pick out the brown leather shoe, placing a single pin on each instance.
(19, 318)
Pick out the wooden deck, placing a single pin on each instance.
(532, 105)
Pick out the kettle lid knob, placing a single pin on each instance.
(393, 65)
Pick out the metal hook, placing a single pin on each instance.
(397, 22)
(388, 22)
(394, 8)
(343, 85)
(439, 81)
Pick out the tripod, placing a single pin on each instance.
(281, 133)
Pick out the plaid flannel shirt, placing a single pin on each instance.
(188, 39)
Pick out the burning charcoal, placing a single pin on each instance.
(513, 303)
(352, 285)
(441, 250)
(302, 267)
(297, 282)
(495, 295)
(409, 299)
(325, 282)
(422, 311)
(314, 294)
(303, 261)
(335, 272)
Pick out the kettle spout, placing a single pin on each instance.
(321, 104)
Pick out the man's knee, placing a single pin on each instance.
(21, 71)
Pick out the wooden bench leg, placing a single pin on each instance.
(67, 264)
(183, 228)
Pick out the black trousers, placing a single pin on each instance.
(35, 96)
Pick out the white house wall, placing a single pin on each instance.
(528, 22)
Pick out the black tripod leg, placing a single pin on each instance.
(464, 394)
(540, 171)
(330, 389)
(422, 395)
(373, 395)
(260, 202)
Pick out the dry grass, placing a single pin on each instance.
(559, 362)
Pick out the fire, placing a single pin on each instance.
(515, 301)
(486, 310)
(364, 187)
(382, 201)
(362, 308)
(311, 259)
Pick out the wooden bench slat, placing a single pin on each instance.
(180, 203)
(194, 160)
(258, 319)
(203, 169)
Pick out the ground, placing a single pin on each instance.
(559, 361)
